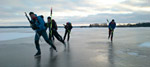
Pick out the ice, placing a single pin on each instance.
(133, 53)
(146, 44)
(88, 47)
(14, 35)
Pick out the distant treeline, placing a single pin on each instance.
(30, 27)
(14, 26)
(145, 24)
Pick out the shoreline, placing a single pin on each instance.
(73, 27)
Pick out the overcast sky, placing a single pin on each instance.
(76, 11)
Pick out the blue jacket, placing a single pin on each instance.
(40, 24)
(112, 25)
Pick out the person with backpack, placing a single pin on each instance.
(111, 28)
(68, 28)
(54, 31)
(38, 24)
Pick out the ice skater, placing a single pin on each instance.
(54, 31)
(38, 24)
(111, 28)
(68, 28)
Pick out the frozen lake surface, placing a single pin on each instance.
(88, 47)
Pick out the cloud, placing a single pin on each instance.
(138, 3)
(76, 11)
(120, 18)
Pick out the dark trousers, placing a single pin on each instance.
(44, 35)
(110, 34)
(51, 37)
(67, 32)
(56, 34)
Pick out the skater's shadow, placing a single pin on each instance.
(67, 55)
(38, 61)
(57, 59)
(52, 59)
(67, 47)
(53, 56)
(111, 54)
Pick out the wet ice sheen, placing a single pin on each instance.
(88, 47)
(14, 35)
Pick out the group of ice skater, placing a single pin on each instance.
(40, 26)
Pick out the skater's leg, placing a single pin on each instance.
(68, 36)
(44, 34)
(112, 35)
(109, 33)
(65, 35)
(37, 45)
(59, 38)
(50, 36)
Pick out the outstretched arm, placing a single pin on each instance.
(27, 18)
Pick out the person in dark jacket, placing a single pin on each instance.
(54, 31)
(38, 24)
(68, 28)
(111, 27)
